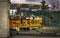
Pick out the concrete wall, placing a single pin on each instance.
(3, 18)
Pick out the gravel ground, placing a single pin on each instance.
(32, 37)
